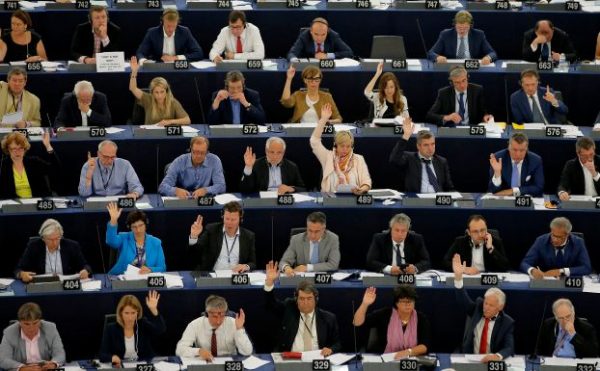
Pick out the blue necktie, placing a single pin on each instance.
(314, 257)
(545, 52)
(399, 258)
(560, 258)
(461, 106)
(514, 178)
(432, 179)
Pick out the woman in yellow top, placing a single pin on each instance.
(307, 104)
(26, 176)
(160, 105)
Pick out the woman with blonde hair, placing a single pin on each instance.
(389, 102)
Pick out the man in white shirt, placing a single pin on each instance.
(239, 40)
(581, 175)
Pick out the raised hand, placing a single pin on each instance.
(46, 140)
(114, 212)
(133, 63)
(548, 96)
(240, 318)
(196, 228)
(326, 112)
(369, 296)
(152, 301)
(496, 165)
(249, 157)
(379, 69)
(408, 128)
(271, 272)
(290, 72)
(458, 267)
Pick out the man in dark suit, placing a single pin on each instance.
(566, 335)
(98, 35)
(533, 103)
(581, 175)
(558, 253)
(546, 42)
(488, 331)
(319, 42)
(52, 254)
(398, 250)
(236, 104)
(481, 250)
(423, 171)
(516, 171)
(224, 245)
(179, 43)
(272, 172)
(462, 42)
(304, 326)
(83, 107)
(462, 103)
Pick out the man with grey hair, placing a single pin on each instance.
(236, 104)
(566, 335)
(272, 172)
(581, 175)
(18, 102)
(398, 250)
(558, 253)
(215, 333)
(52, 254)
(83, 107)
(109, 175)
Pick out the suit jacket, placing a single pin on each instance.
(561, 43)
(494, 262)
(298, 252)
(380, 252)
(82, 44)
(224, 114)
(304, 46)
(113, 338)
(327, 326)
(502, 340)
(40, 173)
(124, 242)
(70, 115)
(532, 174)
(585, 341)
(12, 348)
(34, 257)
(185, 44)
(446, 46)
(380, 319)
(30, 106)
(572, 180)
(210, 243)
(542, 254)
(411, 167)
(445, 104)
(259, 179)
(521, 111)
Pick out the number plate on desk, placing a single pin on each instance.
(399, 64)
(406, 279)
(496, 365)
(553, 131)
(572, 6)
(97, 132)
(364, 200)
(327, 63)
(11, 5)
(293, 4)
(182, 64)
(502, 5)
(71, 285)
(33, 66)
(544, 65)
(223, 4)
(144, 367)
(398, 130)
(323, 278)
(363, 4)
(489, 280)
(523, 201)
(432, 4)
(408, 365)
(249, 129)
(22, 131)
(443, 200)
(206, 201)
(45, 205)
(174, 130)
(234, 366)
(254, 64)
(472, 64)
(321, 365)
(285, 200)
(477, 130)
(240, 279)
(328, 129)
(585, 367)
(153, 4)
(126, 202)
(574, 282)
(156, 282)
(82, 4)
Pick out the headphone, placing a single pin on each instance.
(143, 217)
(97, 10)
(306, 286)
(233, 204)
(237, 75)
(319, 20)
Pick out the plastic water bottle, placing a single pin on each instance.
(563, 65)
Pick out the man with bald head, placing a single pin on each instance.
(83, 107)
(546, 42)
(319, 42)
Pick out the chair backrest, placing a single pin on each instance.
(388, 46)
(578, 234)
(562, 118)
(297, 230)
(109, 319)
(138, 114)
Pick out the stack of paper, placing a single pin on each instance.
(253, 362)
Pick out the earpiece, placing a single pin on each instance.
(232, 207)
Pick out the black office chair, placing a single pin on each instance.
(562, 118)
(138, 114)
(388, 46)
(297, 230)
(109, 319)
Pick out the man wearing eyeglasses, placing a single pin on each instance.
(240, 40)
(581, 175)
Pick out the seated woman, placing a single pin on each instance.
(136, 247)
(160, 105)
(343, 170)
(307, 104)
(130, 338)
(19, 44)
(400, 328)
(389, 102)
(24, 176)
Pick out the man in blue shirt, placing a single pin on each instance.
(194, 174)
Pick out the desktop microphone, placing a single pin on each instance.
(422, 38)
(199, 100)
(534, 356)
(272, 235)
(101, 254)
(356, 353)
(50, 126)
(157, 171)
(506, 100)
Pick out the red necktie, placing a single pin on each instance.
(213, 343)
(238, 47)
(319, 48)
(484, 336)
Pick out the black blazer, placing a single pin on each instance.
(380, 319)
(34, 257)
(210, 243)
(82, 43)
(287, 310)
(561, 43)
(259, 179)
(40, 171)
(113, 338)
(224, 114)
(410, 166)
(585, 341)
(572, 180)
(380, 252)
(304, 46)
(445, 104)
(494, 262)
(69, 114)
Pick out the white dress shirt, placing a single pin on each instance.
(388, 268)
(252, 43)
(198, 334)
(497, 181)
(477, 257)
(588, 180)
(477, 335)
(311, 323)
(230, 252)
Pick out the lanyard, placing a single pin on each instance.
(229, 250)
(105, 182)
(139, 253)
(306, 327)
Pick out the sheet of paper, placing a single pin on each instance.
(173, 281)
(340, 358)
(340, 276)
(257, 278)
(253, 362)
(268, 194)
(143, 205)
(103, 198)
(166, 366)
(8, 202)
(346, 62)
(186, 361)
(371, 358)
(299, 197)
(6, 281)
(243, 7)
(455, 195)
(201, 65)
(12, 118)
(371, 274)
(224, 198)
(308, 356)
(516, 277)
(474, 357)
(221, 360)
(91, 285)
(29, 201)
(113, 130)
(385, 193)
(189, 129)
(388, 357)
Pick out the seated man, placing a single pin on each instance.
(26, 112)
(516, 171)
(215, 334)
(566, 335)
(481, 250)
(109, 175)
(558, 253)
(224, 245)
(83, 107)
(236, 104)
(462, 42)
(52, 254)
(485, 318)
(422, 171)
(319, 42)
(533, 103)
(398, 250)
(97, 35)
(315, 250)
(463, 103)
(546, 42)
(304, 327)
(194, 174)
(581, 175)
(240, 40)
(169, 41)
(272, 172)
